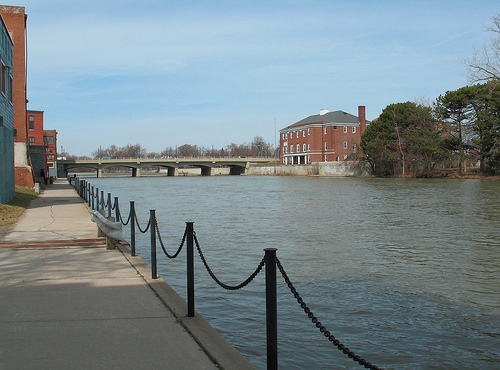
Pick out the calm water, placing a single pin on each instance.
(406, 273)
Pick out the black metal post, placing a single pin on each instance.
(109, 205)
(271, 309)
(97, 200)
(154, 267)
(190, 268)
(117, 210)
(102, 201)
(132, 228)
(92, 195)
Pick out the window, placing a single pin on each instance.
(337, 159)
(31, 122)
(326, 145)
(304, 147)
(308, 147)
(334, 127)
(49, 139)
(286, 135)
(298, 148)
(291, 148)
(345, 129)
(325, 130)
(3, 78)
(11, 90)
(326, 158)
(32, 140)
(303, 133)
(345, 157)
(345, 144)
(353, 129)
(354, 149)
(50, 157)
(308, 131)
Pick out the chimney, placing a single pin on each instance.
(362, 118)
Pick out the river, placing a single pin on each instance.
(404, 272)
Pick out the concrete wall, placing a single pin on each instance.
(340, 169)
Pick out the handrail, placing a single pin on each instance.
(270, 261)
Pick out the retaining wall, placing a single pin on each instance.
(339, 169)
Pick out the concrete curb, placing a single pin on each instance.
(210, 340)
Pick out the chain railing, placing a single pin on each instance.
(189, 240)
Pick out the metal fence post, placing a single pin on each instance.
(132, 228)
(97, 199)
(154, 267)
(117, 210)
(190, 268)
(109, 205)
(271, 309)
(92, 195)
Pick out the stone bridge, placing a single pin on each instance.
(237, 166)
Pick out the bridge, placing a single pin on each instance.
(235, 166)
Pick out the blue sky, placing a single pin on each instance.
(164, 73)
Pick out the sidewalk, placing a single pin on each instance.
(67, 302)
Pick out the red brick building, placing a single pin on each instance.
(15, 20)
(324, 137)
(36, 145)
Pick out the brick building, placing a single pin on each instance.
(36, 144)
(324, 137)
(15, 20)
(7, 187)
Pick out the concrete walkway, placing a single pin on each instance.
(67, 302)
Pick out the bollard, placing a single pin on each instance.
(190, 268)
(92, 195)
(271, 309)
(132, 228)
(97, 200)
(152, 225)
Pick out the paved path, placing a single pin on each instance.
(68, 303)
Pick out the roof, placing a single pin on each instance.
(331, 118)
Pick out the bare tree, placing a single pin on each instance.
(484, 66)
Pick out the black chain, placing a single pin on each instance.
(139, 226)
(320, 326)
(120, 215)
(163, 246)
(225, 286)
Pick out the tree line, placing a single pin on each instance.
(257, 148)
(460, 129)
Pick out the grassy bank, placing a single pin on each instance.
(10, 212)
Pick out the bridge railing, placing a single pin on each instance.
(98, 202)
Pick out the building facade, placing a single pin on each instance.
(324, 137)
(36, 144)
(7, 186)
(15, 20)
(50, 140)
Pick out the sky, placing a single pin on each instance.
(163, 73)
